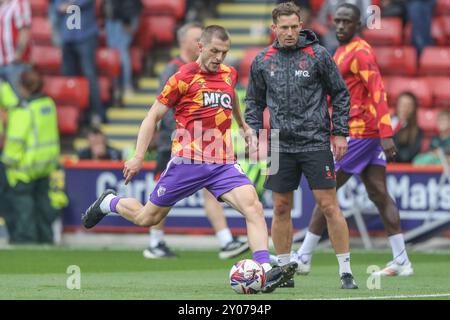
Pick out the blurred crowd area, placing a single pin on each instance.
(121, 44)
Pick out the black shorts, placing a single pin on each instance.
(317, 166)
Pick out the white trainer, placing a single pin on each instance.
(394, 269)
(303, 268)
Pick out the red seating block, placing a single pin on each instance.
(108, 62)
(435, 61)
(440, 89)
(418, 86)
(68, 117)
(104, 84)
(397, 61)
(46, 59)
(427, 121)
(175, 8)
(442, 7)
(316, 5)
(39, 8)
(136, 56)
(144, 37)
(391, 33)
(72, 91)
(165, 26)
(41, 31)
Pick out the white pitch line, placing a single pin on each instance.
(392, 297)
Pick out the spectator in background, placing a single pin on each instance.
(394, 8)
(98, 148)
(15, 25)
(299, 3)
(442, 141)
(122, 18)
(408, 137)
(79, 44)
(420, 13)
(8, 101)
(199, 10)
(325, 18)
(30, 155)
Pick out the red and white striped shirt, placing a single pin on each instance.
(14, 15)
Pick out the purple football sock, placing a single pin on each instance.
(261, 256)
(113, 204)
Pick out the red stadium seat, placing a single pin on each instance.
(68, 117)
(72, 91)
(418, 86)
(445, 24)
(165, 26)
(39, 8)
(46, 59)
(397, 61)
(435, 61)
(175, 8)
(427, 121)
(390, 34)
(144, 37)
(105, 87)
(98, 8)
(442, 7)
(41, 31)
(316, 4)
(136, 56)
(108, 62)
(246, 62)
(440, 89)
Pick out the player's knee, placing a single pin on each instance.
(255, 209)
(329, 209)
(282, 208)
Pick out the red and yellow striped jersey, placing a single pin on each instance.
(369, 112)
(203, 103)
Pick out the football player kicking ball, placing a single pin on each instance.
(203, 95)
(369, 145)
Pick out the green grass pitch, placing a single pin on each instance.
(41, 273)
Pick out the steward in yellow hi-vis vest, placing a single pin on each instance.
(8, 100)
(30, 155)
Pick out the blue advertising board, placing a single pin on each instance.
(416, 191)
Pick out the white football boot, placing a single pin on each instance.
(395, 269)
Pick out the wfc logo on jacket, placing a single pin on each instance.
(217, 99)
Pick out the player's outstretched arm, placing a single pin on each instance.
(145, 135)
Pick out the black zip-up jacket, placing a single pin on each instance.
(294, 83)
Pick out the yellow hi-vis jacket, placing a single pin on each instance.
(8, 99)
(32, 140)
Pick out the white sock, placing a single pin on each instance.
(283, 259)
(266, 266)
(398, 249)
(224, 236)
(344, 263)
(156, 236)
(308, 246)
(105, 204)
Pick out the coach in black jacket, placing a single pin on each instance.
(293, 78)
